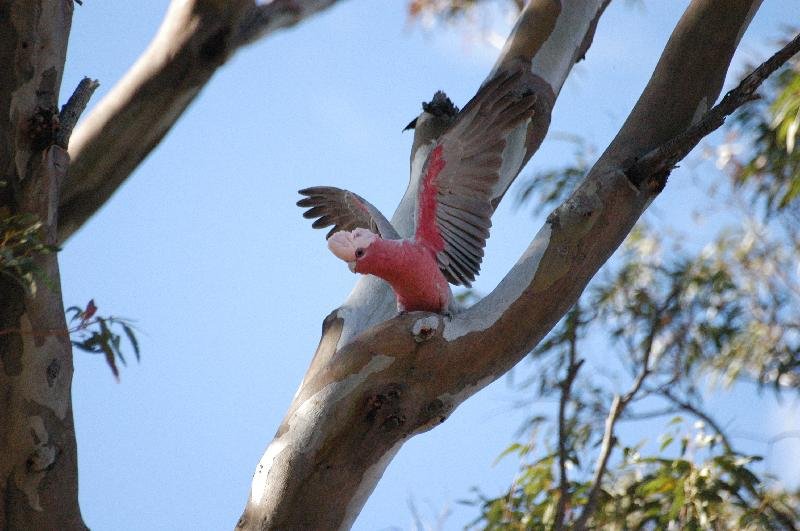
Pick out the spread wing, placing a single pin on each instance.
(454, 209)
(344, 210)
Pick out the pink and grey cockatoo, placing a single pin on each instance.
(453, 212)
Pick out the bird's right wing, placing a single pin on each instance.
(345, 211)
(454, 208)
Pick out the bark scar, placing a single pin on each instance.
(29, 475)
(425, 328)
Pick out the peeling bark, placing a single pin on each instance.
(386, 382)
(38, 468)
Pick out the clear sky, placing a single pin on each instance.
(228, 284)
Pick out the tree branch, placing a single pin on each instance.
(38, 456)
(72, 110)
(194, 40)
(609, 439)
(276, 489)
(658, 163)
(262, 20)
(573, 367)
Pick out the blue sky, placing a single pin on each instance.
(228, 284)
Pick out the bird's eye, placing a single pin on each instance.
(359, 252)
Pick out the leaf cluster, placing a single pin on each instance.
(769, 167)
(689, 491)
(698, 488)
(530, 502)
(99, 335)
(20, 244)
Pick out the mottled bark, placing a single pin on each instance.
(194, 40)
(370, 388)
(38, 469)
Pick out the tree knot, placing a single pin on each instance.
(423, 329)
(44, 126)
(383, 407)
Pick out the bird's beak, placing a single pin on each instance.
(411, 125)
(351, 266)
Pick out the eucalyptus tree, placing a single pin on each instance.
(377, 378)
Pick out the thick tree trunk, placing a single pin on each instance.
(38, 462)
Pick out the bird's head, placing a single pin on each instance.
(352, 246)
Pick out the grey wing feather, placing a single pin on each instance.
(472, 150)
(345, 211)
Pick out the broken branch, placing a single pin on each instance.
(72, 110)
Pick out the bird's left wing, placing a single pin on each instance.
(345, 211)
(454, 205)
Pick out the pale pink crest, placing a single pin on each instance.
(344, 243)
(363, 237)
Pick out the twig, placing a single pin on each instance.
(618, 406)
(73, 109)
(700, 414)
(566, 388)
(412, 507)
(647, 415)
(609, 439)
(656, 164)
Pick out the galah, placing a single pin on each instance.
(453, 212)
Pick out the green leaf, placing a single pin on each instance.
(678, 499)
(675, 420)
(667, 440)
(110, 359)
(513, 448)
(132, 338)
(660, 484)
